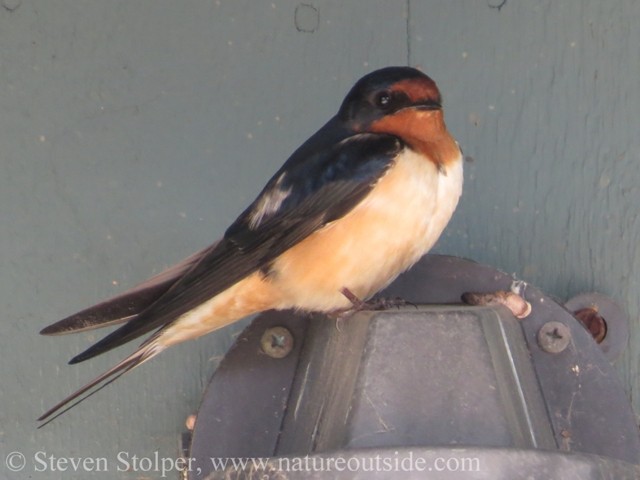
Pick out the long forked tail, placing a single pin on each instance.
(144, 353)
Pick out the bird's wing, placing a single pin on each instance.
(300, 199)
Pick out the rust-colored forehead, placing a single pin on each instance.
(418, 89)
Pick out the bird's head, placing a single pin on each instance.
(403, 102)
(388, 92)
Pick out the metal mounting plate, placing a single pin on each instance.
(329, 393)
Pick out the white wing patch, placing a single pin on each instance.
(269, 203)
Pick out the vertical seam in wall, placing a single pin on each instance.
(408, 27)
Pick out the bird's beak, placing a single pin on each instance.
(428, 105)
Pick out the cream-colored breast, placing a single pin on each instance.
(364, 251)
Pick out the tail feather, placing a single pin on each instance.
(144, 353)
(127, 305)
(119, 309)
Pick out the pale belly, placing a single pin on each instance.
(364, 251)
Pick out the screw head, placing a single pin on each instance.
(277, 342)
(554, 337)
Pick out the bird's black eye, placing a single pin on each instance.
(383, 99)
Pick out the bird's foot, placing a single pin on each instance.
(387, 303)
(358, 305)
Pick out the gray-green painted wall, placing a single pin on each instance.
(133, 132)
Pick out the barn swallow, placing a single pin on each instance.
(353, 207)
